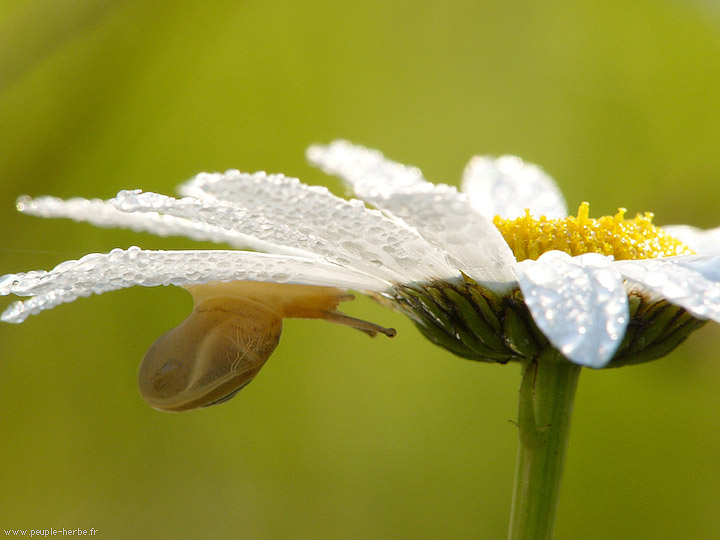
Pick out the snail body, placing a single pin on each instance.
(232, 331)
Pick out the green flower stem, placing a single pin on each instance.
(546, 400)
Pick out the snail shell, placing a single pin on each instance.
(211, 355)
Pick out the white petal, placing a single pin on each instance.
(703, 242)
(367, 170)
(302, 207)
(103, 214)
(688, 282)
(343, 232)
(102, 272)
(439, 213)
(579, 303)
(707, 266)
(506, 186)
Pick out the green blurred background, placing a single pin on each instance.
(341, 436)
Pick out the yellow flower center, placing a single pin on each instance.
(622, 238)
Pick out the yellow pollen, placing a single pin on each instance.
(622, 238)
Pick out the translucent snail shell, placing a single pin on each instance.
(210, 356)
(233, 329)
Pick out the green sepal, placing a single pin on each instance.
(436, 312)
(475, 323)
(517, 333)
(656, 329)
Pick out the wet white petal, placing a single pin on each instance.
(707, 266)
(683, 283)
(103, 214)
(579, 303)
(506, 186)
(371, 175)
(313, 208)
(703, 242)
(101, 272)
(380, 249)
(439, 213)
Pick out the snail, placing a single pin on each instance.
(232, 330)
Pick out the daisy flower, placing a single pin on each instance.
(495, 272)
